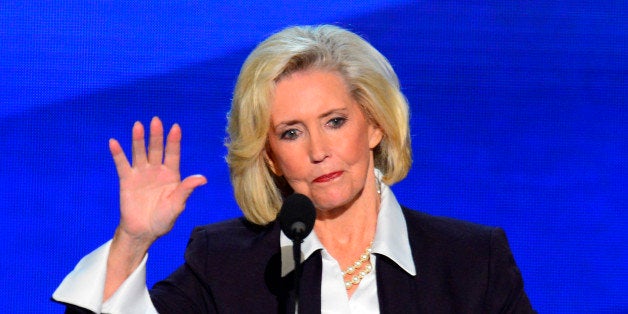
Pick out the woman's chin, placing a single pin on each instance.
(328, 206)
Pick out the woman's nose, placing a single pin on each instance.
(319, 147)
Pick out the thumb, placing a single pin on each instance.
(188, 185)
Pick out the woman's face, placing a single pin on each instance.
(320, 140)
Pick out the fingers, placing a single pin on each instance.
(155, 154)
(173, 148)
(119, 158)
(138, 145)
(156, 142)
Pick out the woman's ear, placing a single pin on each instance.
(375, 135)
(268, 157)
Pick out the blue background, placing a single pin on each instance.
(519, 120)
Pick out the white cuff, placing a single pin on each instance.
(85, 285)
(132, 296)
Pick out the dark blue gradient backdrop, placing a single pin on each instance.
(519, 120)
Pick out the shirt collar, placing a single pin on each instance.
(391, 232)
(391, 236)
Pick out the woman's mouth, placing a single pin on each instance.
(328, 177)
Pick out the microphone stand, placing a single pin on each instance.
(296, 253)
(297, 217)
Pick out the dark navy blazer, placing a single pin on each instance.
(235, 267)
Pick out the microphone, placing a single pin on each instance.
(296, 219)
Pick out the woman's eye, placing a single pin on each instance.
(337, 122)
(290, 134)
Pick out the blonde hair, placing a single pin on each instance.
(372, 83)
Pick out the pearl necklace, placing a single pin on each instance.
(359, 269)
(363, 265)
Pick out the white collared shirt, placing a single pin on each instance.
(391, 240)
(85, 284)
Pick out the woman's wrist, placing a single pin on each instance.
(135, 247)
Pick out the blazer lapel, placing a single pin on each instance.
(310, 286)
(396, 289)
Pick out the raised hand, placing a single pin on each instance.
(152, 196)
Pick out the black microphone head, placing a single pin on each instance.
(297, 216)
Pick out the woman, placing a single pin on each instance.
(316, 111)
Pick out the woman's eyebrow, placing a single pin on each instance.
(287, 123)
(321, 116)
(333, 111)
